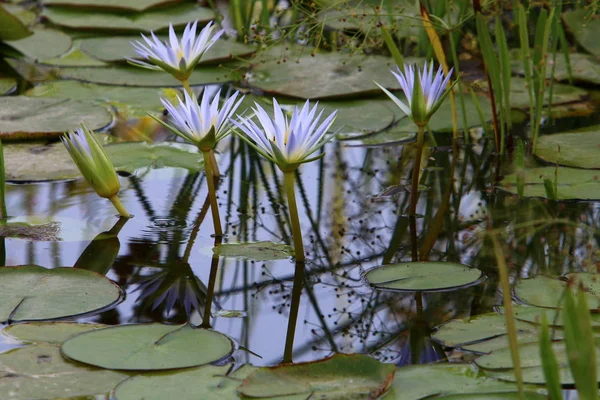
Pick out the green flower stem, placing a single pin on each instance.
(187, 87)
(289, 180)
(215, 165)
(414, 190)
(212, 193)
(3, 213)
(119, 206)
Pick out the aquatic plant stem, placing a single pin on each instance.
(187, 87)
(3, 213)
(508, 313)
(289, 180)
(293, 318)
(414, 190)
(119, 206)
(212, 193)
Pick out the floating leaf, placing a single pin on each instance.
(460, 332)
(7, 85)
(135, 76)
(29, 293)
(424, 381)
(25, 162)
(501, 342)
(333, 378)
(387, 137)
(584, 25)
(542, 291)
(148, 347)
(44, 43)
(519, 96)
(573, 149)
(496, 396)
(207, 383)
(73, 58)
(339, 75)
(118, 48)
(23, 117)
(131, 5)
(584, 68)
(573, 183)
(151, 20)
(40, 372)
(555, 318)
(257, 251)
(429, 276)
(48, 332)
(10, 26)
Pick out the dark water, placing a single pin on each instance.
(352, 205)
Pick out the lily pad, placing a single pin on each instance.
(561, 94)
(542, 291)
(10, 26)
(332, 378)
(152, 20)
(573, 183)
(495, 396)
(134, 76)
(48, 332)
(584, 68)
(44, 43)
(424, 381)
(573, 149)
(23, 117)
(40, 372)
(555, 317)
(339, 75)
(117, 48)
(207, 383)
(7, 85)
(461, 332)
(584, 25)
(130, 5)
(29, 293)
(428, 276)
(27, 162)
(501, 342)
(73, 58)
(257, 251)
(148, 347)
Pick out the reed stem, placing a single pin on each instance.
(3, 213)
(289, 180)
(212, 193)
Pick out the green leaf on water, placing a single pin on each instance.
(29, 293)
(40, 372)
(257, 251)
(44, 43)
(131, 156)
(148, 347)
(115, 5)
(584, 68)
(584, 25)
(342, 376)
(10, 26)
(573, 149)
(7, 85)
(542, 291)
(428, 276)
(48, 332)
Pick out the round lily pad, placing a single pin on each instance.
(48, 332)
(117, 5)
(339, 75)
(118, 48)
(426, 276)
(584, 67)
(148, 347)
(332, 378)
(29, 293)
(10, 26)
(7, 85)
(135, 76)
(572, 183)
(26, 162)
(542, 291)
(573, 149)
(23, 117)
(152, 20)
(519, 95)
(207, 382)
(44, 43)
(555, 318)
(584, 25)
(460, 332)
(257, 251)
(40, 372)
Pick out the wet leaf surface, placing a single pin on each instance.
(10, 26)
(44, 43)
(48, 332)
(257, 251)
(584, 25)
(572, 149)
(543, 291)
(129, 5)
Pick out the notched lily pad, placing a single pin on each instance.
(23, 117)
(117, 5)
(40, 372)
(257, 251)
(148, 347)
(543, 291)
(428, 276)
(48, 332)
(574, 149)
(29, 293)
(332, 378)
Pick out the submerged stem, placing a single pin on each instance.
(289, 180)
(212, 193)
(414, 190)
(119, 206)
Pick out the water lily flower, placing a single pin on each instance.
(177, 57)
(94, 164)
(424, 91)
(287, 142)
(201, 124)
